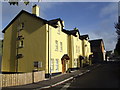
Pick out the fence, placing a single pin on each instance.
(21, 79)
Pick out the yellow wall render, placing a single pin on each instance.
(75, 50)
(38, 48)
(34, 45)
(60, 37)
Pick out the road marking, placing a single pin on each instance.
(62, 81)
(56, 83)
(80, 74)
(67, 85)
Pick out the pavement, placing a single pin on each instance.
(55, 80)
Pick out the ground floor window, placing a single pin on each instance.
(57, 65)
(75, 62)
(52, 65)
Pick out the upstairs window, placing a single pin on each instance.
(58, 29)
(19, 56)
(56, 45)
(21, 26)
(61, 48)
(76, 49)
(21, 44)
(20, 37)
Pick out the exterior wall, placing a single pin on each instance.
(103, 50)
(75, 50)
(56, 34)
(39, 44)
(98, 53)
(98, 57)
(34, 48)
(86, 51)
(9, 48)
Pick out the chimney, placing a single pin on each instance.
(63, 23)
(75, 28)
(35, 10)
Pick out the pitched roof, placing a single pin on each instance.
(50, 22)
(21, 12)
(71, 32)
(84, 37)
(54, 23)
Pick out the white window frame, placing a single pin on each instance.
(56, 45)
(58, 29)
(52, 65)
(61, 47)
(21, 44)
(76, 48)
(75, 62)
(57, 65)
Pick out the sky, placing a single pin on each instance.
(93, 18)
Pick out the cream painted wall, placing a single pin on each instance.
(75, 50)
(86, 51)
(55, 34)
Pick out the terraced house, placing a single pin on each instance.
(32, 43)
(74, 48)
(86, 50)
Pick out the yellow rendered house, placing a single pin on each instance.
(32, 43)
(74, 48)
(58, 47)
(86, 50)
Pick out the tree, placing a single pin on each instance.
(11, 2)
(117, 48)
(16, 3)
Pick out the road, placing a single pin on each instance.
(107, 75)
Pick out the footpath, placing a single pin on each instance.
(55, 80)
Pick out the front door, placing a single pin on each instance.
(63, 66)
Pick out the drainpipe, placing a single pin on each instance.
(48, 49)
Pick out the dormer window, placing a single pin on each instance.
(58, 30)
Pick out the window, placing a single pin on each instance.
(19, 56)
(79, 49)
(20, 37)
(58, 29)
(37, 64)
(77, 38)
(76, 48)
(75, 62)
(61, 47)
(57, 65)
(21, 26)
(21, 44)
(56, 45)
(52, 65)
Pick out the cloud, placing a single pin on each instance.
(108, 38)
(109, 9)
(105, 28)
(10, 11)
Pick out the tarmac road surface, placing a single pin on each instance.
(105, 76)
